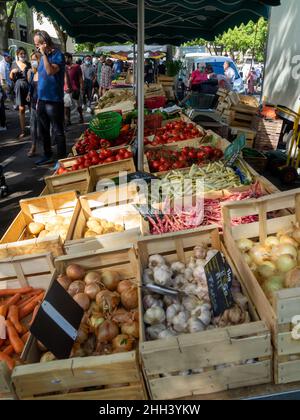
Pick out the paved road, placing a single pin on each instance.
(23, 178)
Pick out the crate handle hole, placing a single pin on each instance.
(56, 381)
(90, 372)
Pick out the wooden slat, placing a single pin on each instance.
(213, 381)
(287, 371)
(288, 307)
(286, 345)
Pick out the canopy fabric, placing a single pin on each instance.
(166, 21)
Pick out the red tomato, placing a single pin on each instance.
(95, 160)
(110, 159)
(81, 167)
(61, 170)
(195, 131)
(155, 164)
(201, 155)
(80, 160)
(127, 155)
(118, 157)
(87, 164)
(75, 167)
(92, 153)
(190, 126)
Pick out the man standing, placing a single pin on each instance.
(5, 68)
(100, 64)
(229, 73)
(89, 76)
(76, 86)
(50, 106)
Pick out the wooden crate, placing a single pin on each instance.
(75, 378)
(112, 206)
(35, 271)
(250, 135)
(206, 350)
(268, 133)
(37, 209)
(70, 181)
(286, 303)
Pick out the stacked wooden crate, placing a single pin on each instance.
(168, 84)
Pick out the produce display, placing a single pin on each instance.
(111, 320)
(275, 262)
(94, 157)
(162, 160)
(216, 176)
(174, 132)
(211, 214)
(113, 97)
(18, 308)
(189, 312)
(52, 225)
(96, 227)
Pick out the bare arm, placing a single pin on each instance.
(51, 69)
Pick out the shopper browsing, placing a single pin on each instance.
(32, 99)
(229, 73)
(50, 108)
(5, 80)
(75, 86)
(106, 75)
(89, 75)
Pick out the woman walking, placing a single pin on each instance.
(33, 78)
(18, 75)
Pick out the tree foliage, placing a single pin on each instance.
(252, 36)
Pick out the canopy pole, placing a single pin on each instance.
(134, 69)
(140, 82)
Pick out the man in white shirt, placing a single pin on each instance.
(229, 73)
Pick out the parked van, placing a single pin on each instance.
(217, 63)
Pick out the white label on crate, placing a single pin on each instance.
(296, 329)
(59, 320)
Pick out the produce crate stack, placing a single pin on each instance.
(198, 363)
(275, 292)
(116, 100)
(168, 84)
(153, 90)
(268, 133)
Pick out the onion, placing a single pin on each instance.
(122, 343)
(259, 254)
(296, 235)
(285, 263)
(292, 279)
(92, 290)
(110, 279)
(107, 331)
(284, 249)
(121, 316)
(47, 357)
(76, 287)
(75, 272)
(285, 239)
(82, 335)
(92, 277)
(244, 245)
(107, 300)
(248, 259)
(83, 300)
(271, 241)
(123, 285)
(273, 284)
(64, 281)
(129, 298)
(267, 269)
(131, 329)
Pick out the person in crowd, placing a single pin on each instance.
(117, 68)
(149, 72)
(106, 76)
(100, 64)
(33, 77)
(229, 73)
(198, 76)
(162, 68)
(50, 109)
(89, 76)
(2, 109)
(251, 79)
(5, 68)
(74, 83)
(18, 74)
(79, 61)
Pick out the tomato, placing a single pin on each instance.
(75, 167)
(192, 155)
(80, 160)
(165, 137)
(81, 167)
(87, 164)
(95, 160)
(92, 153)
(127, 155)
(201, 155)
(61, 170)
(195, 131)
(110, 159)
(155, 164)
(119, 157)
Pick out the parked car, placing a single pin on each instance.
(217, 63)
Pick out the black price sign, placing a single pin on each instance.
(219, 278)
(147, 211)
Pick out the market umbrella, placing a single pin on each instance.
(163, 21)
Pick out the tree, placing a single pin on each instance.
(7, 12)
(61, 34)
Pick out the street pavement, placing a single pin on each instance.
(23, 178)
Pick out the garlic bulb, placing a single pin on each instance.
(148, 276)
(211, 253)
(154, 331)
(200, 251)
(156, 261)
(173, 310)
(192, 263)
(194, 325)
(162, 275)
(190, 303)
(170, 300)
(199, 273)
(178, 267)
(179, 282)
(154, 315)
(203, 314)
(188, 275)
(167, 333)
(149, 301)
(179, 321)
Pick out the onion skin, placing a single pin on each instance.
(292, 279)
(64, 281)
(131, 329)
(76, 287)
(83, 300)
(75, 272)
(111, 280)
(122, 343)
(123, 285)
(92, 277)
(92, 290)
(107, 300)
(107, 331)
(129, 298)
(286, 263)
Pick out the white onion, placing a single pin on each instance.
(286, 263)
(271, 241)
(284, 249)
(244, 245)
(285, 239)
(259, 254)
(267, 269)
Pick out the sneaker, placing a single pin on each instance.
(56, 166)
(3, 129)
(44, 161)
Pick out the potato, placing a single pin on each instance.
(43, 234)
(95, 227)
(90, 234)
(35, 228)
(119, 228)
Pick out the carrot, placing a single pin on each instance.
(3, 310)
(14, 339)
(1, 342)
(9, 292)
(25, 303)
(35, 311)
(30, 295)
(13, 300)
(9, 349)
(13, 316)
(26, 310)
(8, 360)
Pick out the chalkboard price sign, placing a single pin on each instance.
(219, 278)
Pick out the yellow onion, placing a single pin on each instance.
(271, 241)
(259, 254)
(292, 279)
(285, 239)
(244, 245)
(267, 269)
(286, 263)
(273, 284)
(283, 249)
